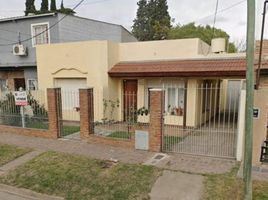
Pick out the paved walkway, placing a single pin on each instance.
(177, 185)
(192, 164)
(12, 193)
(18, 161)
(172, 185)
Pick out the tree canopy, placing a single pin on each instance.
(44, 6)
(29, 7)
(53, 6)
(152, 21)
(205, 33)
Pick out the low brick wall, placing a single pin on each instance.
(28, 132)
(124, 143)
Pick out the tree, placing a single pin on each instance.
(152, 21)
(140, 27)
(29, 7)
(159, 19)
(205, 33)
(66, 11)
(53, 6)
(44, 6)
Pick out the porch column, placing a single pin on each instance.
(54, 111)
(86, 100)
(156, 119)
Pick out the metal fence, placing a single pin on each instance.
(34, 115)
(70, 114)
(205, 121)
(117, 118)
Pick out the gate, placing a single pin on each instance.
(70, 114)
(201, 120)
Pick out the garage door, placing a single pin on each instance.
(71, 84)
(70, 96)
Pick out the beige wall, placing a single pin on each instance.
(159, 50)
(90, 60)
(93, 59)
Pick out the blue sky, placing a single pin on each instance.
(123, 12)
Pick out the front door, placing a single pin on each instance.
(19, 83)
(130, 99)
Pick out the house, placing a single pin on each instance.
(115, 69)
(21, 35)
(202, 88)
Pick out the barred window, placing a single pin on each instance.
(40, 34)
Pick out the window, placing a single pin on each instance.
(40, 34)
(32, 84)
(174, 101)
(206, 95)
(3, 85)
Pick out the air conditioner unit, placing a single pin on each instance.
(19, 50)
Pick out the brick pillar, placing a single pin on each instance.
(86, 112)
(54, 111)
(156, 119)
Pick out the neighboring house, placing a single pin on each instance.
(18, 63)
(116, 69)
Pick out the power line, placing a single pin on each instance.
(215, 18)
(222, 10)
(25, 40)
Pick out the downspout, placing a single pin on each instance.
(185, 103)
(261, 44)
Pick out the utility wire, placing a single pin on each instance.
(220, 11)
(53, 25)
(215, 18)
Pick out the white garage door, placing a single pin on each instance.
(71, 84)
(70, 91)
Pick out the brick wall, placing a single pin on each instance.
(127, 143)
(156, 119)
(86, 112)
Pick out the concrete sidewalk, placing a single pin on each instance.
(19, 161)
(12, 193)
(177, 185)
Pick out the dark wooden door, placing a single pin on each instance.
(130, 99)
(19, 83)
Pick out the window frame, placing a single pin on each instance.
(6, 86)
(28, 84)
(33, 33)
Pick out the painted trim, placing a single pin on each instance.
(68, 69)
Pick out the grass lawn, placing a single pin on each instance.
(77, 177)
(120, 135)
(227, 186)
(68, 130)
(9, 153)
(169, 141)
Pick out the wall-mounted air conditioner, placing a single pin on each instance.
(19, 50)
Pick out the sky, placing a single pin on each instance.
(232, 20)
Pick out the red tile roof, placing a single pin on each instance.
(182, 68)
